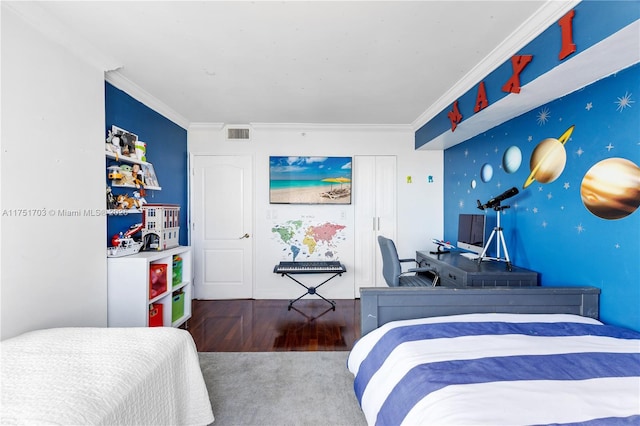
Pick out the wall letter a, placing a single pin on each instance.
(454, 116)
(481, 98)
(518, 63)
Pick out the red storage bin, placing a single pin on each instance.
(157, 279)
(155, 315)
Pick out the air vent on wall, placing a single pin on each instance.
(238, 133)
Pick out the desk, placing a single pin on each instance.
(458, 271)
(290, 268)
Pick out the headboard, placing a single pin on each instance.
(379, 305)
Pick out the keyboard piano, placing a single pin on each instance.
(309, 267)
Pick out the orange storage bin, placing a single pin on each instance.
(155, 315)
(157, 279)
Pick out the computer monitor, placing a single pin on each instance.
(471, 232)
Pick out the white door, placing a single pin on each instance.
(221, 226)
(375, 214)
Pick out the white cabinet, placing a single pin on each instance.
(130, 296)
(375, 192)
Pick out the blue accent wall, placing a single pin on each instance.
(548, 227)
(166, 150)
(575, 219)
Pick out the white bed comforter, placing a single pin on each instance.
(103, 376)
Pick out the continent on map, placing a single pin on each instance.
(324, 232)
(287, 230)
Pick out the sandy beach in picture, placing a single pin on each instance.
(312, 195)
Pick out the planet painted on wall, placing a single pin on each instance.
(512, 159)
(548, 159)
(611, 188)
(473, 184)
(486, 172)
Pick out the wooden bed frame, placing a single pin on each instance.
(380, 305)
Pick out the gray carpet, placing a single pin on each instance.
(280, 388)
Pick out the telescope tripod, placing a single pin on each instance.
(500, 242)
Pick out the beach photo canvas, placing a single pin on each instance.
(309, 180)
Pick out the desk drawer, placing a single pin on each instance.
(452, 277)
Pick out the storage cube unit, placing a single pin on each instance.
(131, 299)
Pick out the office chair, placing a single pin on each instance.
(392, 268)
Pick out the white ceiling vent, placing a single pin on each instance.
(238, 133)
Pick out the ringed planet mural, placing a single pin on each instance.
(548, 159)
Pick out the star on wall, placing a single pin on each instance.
(624, 102)
(609, 147)
(579, 152)
(543, 116)
(589, 106)
(566, 185)
(580, 229)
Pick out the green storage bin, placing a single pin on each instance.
(177, 271)
(177, 306)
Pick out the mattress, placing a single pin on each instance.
(103, 376)
(498, 369)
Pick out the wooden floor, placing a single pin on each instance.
(267, 325)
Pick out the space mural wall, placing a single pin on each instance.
(576, 164)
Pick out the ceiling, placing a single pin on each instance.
(337, 62)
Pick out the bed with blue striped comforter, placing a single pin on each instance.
(498, 369)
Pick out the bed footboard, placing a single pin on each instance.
(379, 305)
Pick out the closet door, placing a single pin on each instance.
(375, 214)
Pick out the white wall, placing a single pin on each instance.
(53, 266)
(419, 203)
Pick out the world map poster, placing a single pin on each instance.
(309, 239)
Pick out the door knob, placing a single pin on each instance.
(245, 236)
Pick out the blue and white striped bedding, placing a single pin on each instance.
(498, 369)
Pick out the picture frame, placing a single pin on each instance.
(310, 180)
(127, 141)
(149, 176)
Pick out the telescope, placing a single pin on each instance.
(495, 202)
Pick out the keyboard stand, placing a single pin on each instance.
(311, 289)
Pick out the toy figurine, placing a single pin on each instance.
(136, 173)
(113, 143)
(139, 199)
(111, 200)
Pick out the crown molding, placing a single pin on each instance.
(123, 83)
(333, 126)
(206, 126)
(546, 15)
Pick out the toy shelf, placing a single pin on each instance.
(155, 188)
(123, 212)
(124, 158)
(130, 160)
